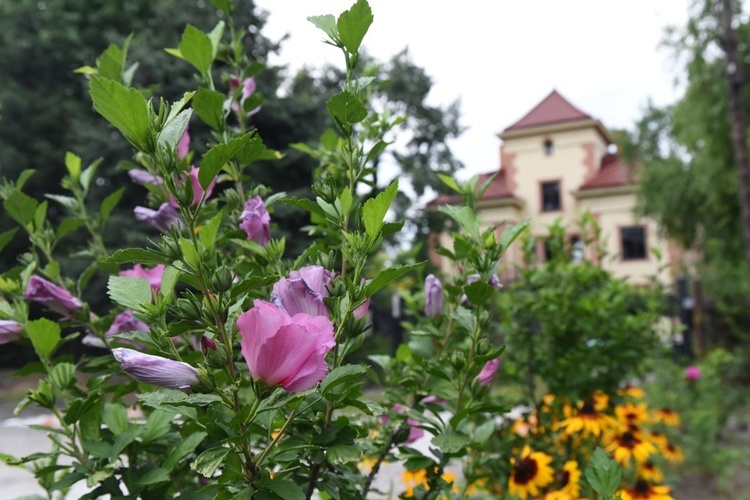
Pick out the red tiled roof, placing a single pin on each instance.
(497, 189)
(553, 109)
(612, 173)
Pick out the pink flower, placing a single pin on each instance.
(361, 311)
(198, 192)
(303, 291)
(248, 88)
(156, 370)
(433, 296)
(9, 331)
(256, 222)
(125, 322)
(143, 177)
(162, 219)
(283, 350)
(56, 298)
(693, 373)
(183, 147)
(488, 371)
(153, 275)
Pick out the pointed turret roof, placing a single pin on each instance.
(552, 110)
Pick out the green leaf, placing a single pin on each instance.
(353, 25)
(451, 442)
(327, 23)
(175, 397)
(177, 107)
(67, 226)
(88, 174)
(44, 335)
(169, 280)
(478, 292)
(450, 182)
(208, 105)
(40, 215)
(124, 108)
(255, 150)
(137, 255)
(20, 207)
(129, 291)
(511, 233)
(62, 375)
(385, 277)
(196, 48)
(465, 216)
(218, 156)
(304, 204)
(115, 417)
(172, 132)
(224, 5)
(154, 476)
(603, 473)
(343, 453)
(347, 108)
(7, 237)
(208, 232)
(189, 252)
(340, 375)
(375, 209)
(185, 447)
(109, 203)
(73, 164)
(207, 462)
(215, 37)
(286, 489)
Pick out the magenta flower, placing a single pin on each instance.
(361, 311)
(56, 298)
(143, 177)
(488, 372)
(693, 373)
(283, 350)
(153, 275)
(198, 192)
(9, 331)
(303, 291)
(433, 296)
(183, 147)
(162, 219)
(156, 370)
(248, 88)
(256, 222)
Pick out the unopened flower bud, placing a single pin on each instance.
(483, 346)
(458, 360)
(215, 353)
(171, 249)
(433, 296)
(43, 395)
(222, 279)
(189, 308)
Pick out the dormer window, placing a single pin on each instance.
(549, 147)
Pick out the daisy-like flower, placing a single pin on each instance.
(630, 445)
(659, 439)
(530, 472)
(412, 479)
(650, 472)
(629, 413)
(587, 420)
(569, 480)
(600, 400)
(642, 490)
(633, 392)
(667, 416)
(672, 453)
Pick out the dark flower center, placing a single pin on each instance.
(524, 470)
(588, 408)
(642, 488)
(628, 440)
(563, 478)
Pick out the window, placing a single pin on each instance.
(549, 147)
(550, 196)
(633, 242)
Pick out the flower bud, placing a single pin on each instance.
(9, 331)
(458, 360)
(162, 219)
(170, 248)
(222, 279)
(215, 353)
(55, 297)
(189, 309)
(483, 346)
(433, 296)
(156, 370)
(256, 222)
(488, 371)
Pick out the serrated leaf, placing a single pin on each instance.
(343, 453)
(44, 335)
(62, 375)
(20, 207)
(375, 209)
(208, 232)
(124, 108)
(7, 237)
(40, 215)
(175, 397)
(256, 150)
(341, 374)
(304, 204)
(385, 277)
(478, 292)
(353, 25)
(172, 132)
(196, 48)
(169, 280)
(154, 476)
(207, 462)
(115, 417)
(465, 216)
(67, 226)
(511, 233)
(451, 442)
(177, 107)
(218, 156)
(347, 108)
(128, 291)
(109, 203)
(327, 23)
(67, 201)
(185, 447)
(603, 473)
(208, 105)
(286, 489)
(135, 255)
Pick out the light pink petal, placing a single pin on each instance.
(256, 326)
(285, 354)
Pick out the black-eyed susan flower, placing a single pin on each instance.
(672, 453)
(632, 391)
(530, 472)
(630, 413)
(412, 479)
(630, 445)
(587, 419)
(569, 481)
(650, 472)
(601, 400)
(667, 416)
(659, 439)
(642, 490)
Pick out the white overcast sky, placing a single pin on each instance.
(501, 57)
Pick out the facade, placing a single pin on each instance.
(556, 164)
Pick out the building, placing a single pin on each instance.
(556, 163)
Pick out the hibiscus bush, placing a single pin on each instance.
(220, 368)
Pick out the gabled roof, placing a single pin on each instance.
(552, 110)
(613, 172)
(497, 189)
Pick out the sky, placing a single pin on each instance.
(501, 57)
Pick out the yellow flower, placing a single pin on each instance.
(630, 445)
(658, 439)
(630, 413)
(632, 391)
(672, 453)
(367, 463)
(569, 479)
(642, 490)
(587, 420)
(530, 472)
(650, 472)
(412, 479)
(601, 401)
(667, 416)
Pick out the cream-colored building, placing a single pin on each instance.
(555, 163)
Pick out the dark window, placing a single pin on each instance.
(549, 147)
(550, 196)
(633, 242)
